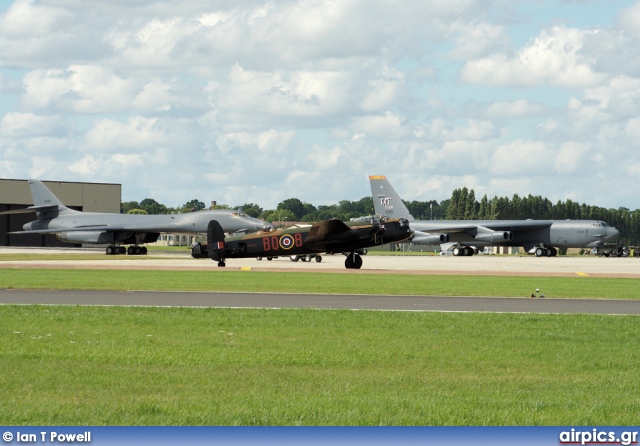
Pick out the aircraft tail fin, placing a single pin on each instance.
(386, 200)
(215, 241)
(44, 199)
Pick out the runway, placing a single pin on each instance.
(320, 301)
(561, 266)
(373, 264)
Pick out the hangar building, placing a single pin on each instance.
(88, 197)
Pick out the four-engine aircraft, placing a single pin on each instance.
(73, 226)
(348, 238)
(543, 235)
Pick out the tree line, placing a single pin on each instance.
(463, 205)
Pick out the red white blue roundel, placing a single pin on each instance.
(286, 242)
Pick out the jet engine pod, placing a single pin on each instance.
(495, 237)
(430, 239)
(86, 237)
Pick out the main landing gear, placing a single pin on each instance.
(464, 251)
(548, 252)
(353, 261)
(132, 250)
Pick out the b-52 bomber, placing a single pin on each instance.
(539, 236)
(73, 226)
(332, 236)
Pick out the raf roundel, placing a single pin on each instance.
(286, 242)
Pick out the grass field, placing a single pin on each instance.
(331, 283)
(180, 366)
(71, 365)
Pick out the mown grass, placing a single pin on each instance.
(310, 282)
(65, 365)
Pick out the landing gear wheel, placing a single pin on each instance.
(549, 252)
(457, 252)
(221, 264)
(111, 250)
(294, 258)
(318, 259)
(353, 261)
(540, 252)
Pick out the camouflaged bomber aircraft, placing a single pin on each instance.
(73, 226)
(331, 236)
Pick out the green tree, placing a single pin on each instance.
(281, 217)
(294, 205)
(470, 206)
(126, 206)
(484, 211)
(152, 206)
(193, 206)
(453, 211)
(251, 209)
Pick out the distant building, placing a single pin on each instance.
(87, 197)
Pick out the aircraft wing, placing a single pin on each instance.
(103, 228)
(324, 229)
(31, 209)
(448, 227)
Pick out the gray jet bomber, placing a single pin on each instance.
(545, 236)
(73, 226)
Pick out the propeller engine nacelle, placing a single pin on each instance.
(495, 237)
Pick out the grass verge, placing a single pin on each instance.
(329, 283)
(180, 366)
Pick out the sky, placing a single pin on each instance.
(259, 101)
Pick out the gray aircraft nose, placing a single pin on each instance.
(612, 233)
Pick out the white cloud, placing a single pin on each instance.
(23, 125)
(553, 58)
(515, 109)
(256, 101)
(79, 89)
(521, 158)
(477, 40)
(629, 19)
(138, 134)
(571, 156)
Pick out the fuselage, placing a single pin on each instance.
(295, 241)
(93, 227)
(526, 233)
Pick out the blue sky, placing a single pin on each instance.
(260, 101)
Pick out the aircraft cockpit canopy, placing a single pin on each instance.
(600, 224)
